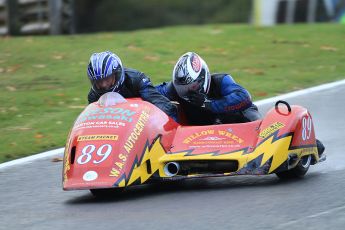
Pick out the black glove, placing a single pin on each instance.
(196, 99)
(207, 105)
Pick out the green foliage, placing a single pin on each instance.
(43, 82)
(109, 15)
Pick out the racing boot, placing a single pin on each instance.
(320, 150)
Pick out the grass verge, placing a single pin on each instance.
(43, 83)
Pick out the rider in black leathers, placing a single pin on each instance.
(106, 66)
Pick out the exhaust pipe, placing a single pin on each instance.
(171, 168)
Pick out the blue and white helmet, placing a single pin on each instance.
(105, 65)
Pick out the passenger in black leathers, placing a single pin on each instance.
(107, 74)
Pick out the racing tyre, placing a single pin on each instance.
(320, 147)
(299, 171)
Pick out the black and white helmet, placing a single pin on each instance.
(191, 74)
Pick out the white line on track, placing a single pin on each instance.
(316, 215)
(258, 103)
(300, 92)
(32, 158)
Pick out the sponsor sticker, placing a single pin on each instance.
(271, 129)
(98, 137)
(90, 176)
(212, 139)
(118, 114)
(138, 128)
(210, 135)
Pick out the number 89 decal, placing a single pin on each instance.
(306, 128)
(103, 151)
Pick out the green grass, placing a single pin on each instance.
(43, 82)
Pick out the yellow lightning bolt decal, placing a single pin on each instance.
(151, 155)
(278, 149)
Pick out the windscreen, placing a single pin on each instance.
(110, 99)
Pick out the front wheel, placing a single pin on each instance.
(299, 171)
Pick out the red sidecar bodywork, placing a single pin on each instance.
(119, 142)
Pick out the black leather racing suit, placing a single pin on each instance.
(137, 84)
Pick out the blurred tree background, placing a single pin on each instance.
(19, 17)
(110, 15)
